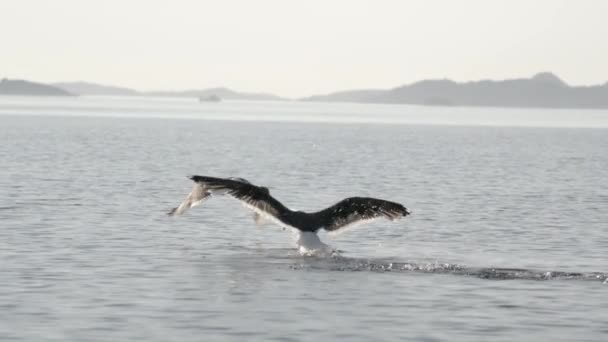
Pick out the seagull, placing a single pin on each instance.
(335, 218)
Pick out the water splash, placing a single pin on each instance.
(340, 263)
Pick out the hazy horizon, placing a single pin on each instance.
(297, 49)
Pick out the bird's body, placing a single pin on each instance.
(344, 213)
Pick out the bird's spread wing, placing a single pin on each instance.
(197, 196)
(253, 197)
(360, 209)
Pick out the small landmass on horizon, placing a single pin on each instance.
(223, 93)
(87, 88)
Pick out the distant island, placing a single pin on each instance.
(21, 87)
(543, 90)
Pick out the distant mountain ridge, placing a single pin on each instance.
(22, 87)
(544, 90)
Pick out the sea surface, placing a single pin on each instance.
(508, 240)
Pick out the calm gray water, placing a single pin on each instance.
(507, 241)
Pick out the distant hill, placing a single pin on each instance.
(222, 93)
(86, 88)
(542, 90)
(21, 87)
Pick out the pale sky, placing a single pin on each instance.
(298, 48)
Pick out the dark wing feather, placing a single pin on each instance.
(254, 197)
(357, 209)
